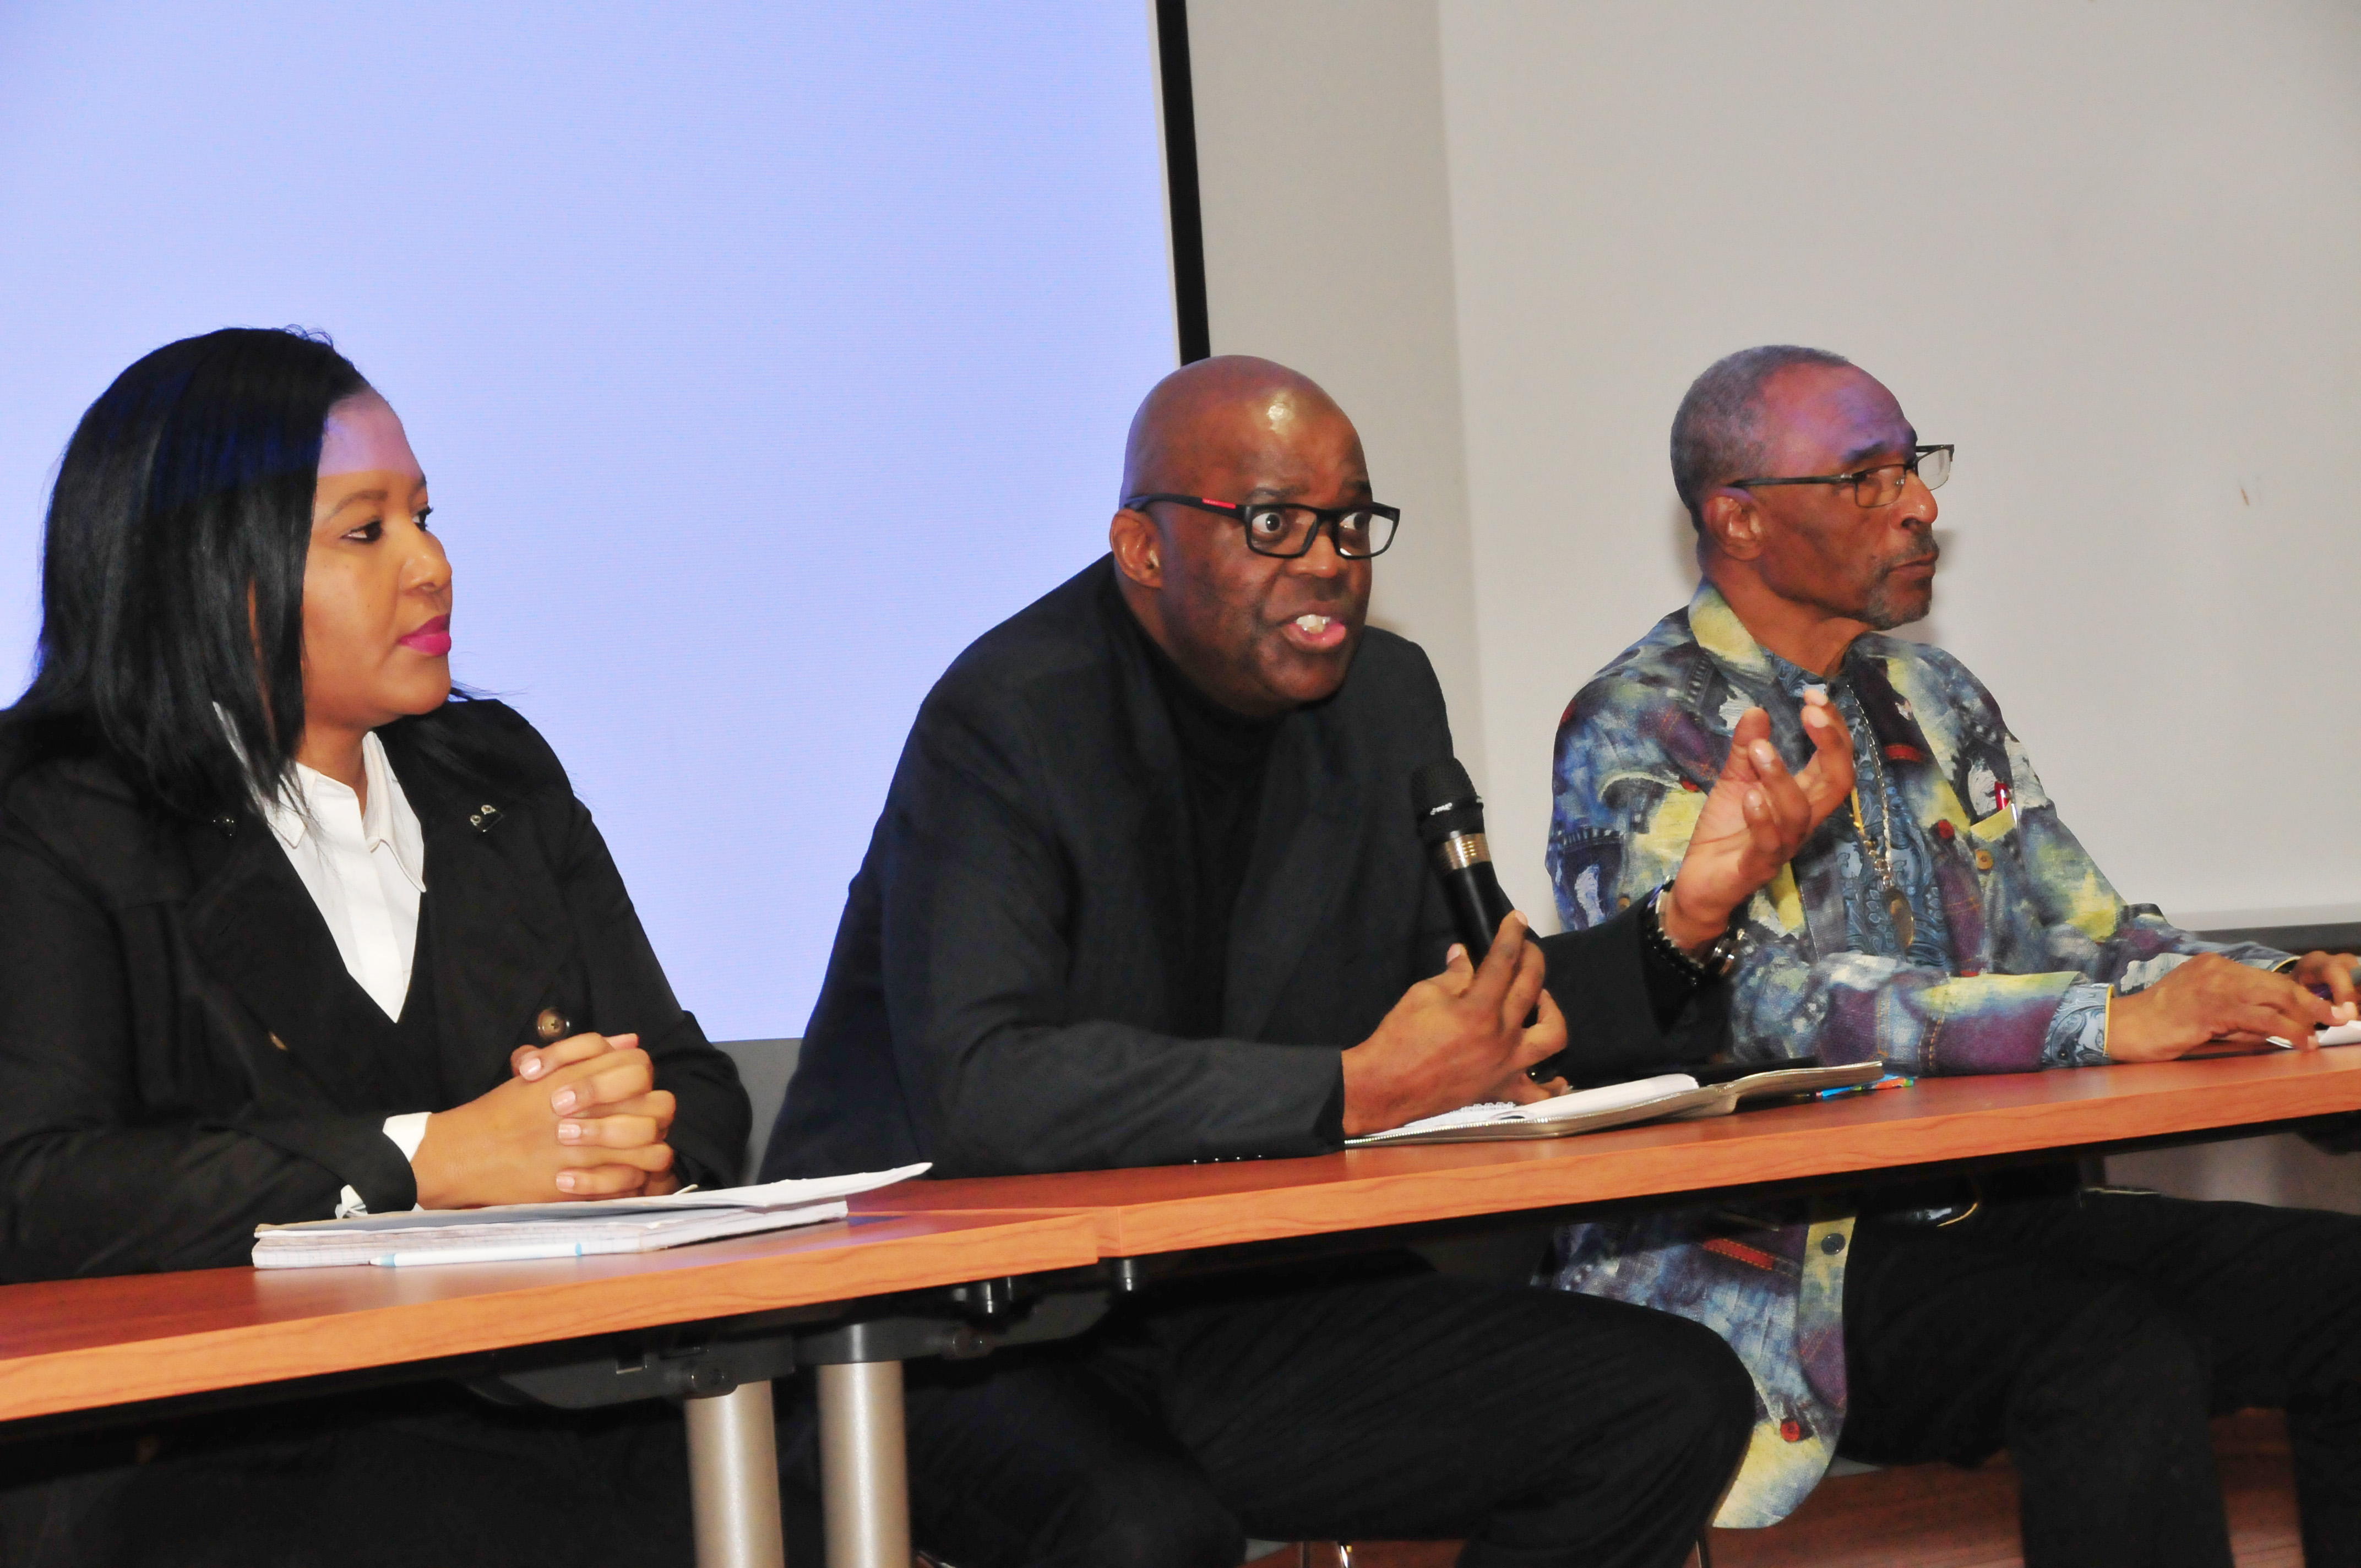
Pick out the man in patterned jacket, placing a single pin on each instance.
(1945, 921)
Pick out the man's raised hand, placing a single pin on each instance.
(1756, 818)
(1456, 1038)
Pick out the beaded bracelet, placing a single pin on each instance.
(1713, 961)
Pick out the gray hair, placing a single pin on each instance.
(1717, 434)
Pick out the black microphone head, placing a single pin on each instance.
(1444, 801)
(1440, 783)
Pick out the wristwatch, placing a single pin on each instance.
(1712, 961)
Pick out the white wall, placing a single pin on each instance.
(2110, 249)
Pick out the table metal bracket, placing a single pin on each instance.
(994, 1316)
(695, 1364)
(703, 1360)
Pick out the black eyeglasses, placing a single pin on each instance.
(1878, 487)
(1274, 529)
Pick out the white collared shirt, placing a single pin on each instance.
(365, 867)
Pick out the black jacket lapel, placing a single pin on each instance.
(502, 937)
(256, 930)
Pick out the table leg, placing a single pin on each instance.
(865, 1465)
(733, 1479)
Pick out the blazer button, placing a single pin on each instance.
(551, 1025)
(1983, 859)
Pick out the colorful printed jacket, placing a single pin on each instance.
(2031, 935)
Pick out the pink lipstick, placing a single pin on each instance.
(434, 639)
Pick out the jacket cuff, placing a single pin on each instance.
(1330, 1128)
(356, 1150)
(1614, 1025)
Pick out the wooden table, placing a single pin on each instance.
(82, 1343)
(1939, 1120)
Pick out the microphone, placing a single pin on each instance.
(1450, 824)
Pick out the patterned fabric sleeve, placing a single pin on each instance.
(2087, 926)
(1624, 810)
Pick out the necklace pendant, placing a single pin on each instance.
(1905, 927)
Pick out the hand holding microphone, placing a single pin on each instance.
(1450, 817)
(1469, 1033)
(1456, 1038)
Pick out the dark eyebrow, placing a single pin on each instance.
(357, 496)
(381, 497)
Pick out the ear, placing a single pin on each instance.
(1139, 548)
(1734, 522)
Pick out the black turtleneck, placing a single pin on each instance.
(1224, 756)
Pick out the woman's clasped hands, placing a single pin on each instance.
(581, 1118)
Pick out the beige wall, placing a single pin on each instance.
(1320, 149)
(2110, 249)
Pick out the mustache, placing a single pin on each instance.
(1327, 600)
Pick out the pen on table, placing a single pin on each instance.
(1891, 1080)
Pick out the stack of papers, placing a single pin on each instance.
(512, 1232)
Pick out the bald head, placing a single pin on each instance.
(1202, 415)
(1258, 633)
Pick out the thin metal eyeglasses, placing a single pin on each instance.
(1276, 528)
(1878, 487)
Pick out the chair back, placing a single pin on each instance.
(764, 1067)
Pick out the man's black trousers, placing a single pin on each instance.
(1374, 1403)
(2093, 1334)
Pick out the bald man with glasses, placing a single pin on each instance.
(1946, 921)
(1148, 889)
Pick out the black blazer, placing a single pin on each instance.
(1000, 999)
(173, 1068)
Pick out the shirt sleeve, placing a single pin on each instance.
(1623, 812)
(2077, 1030)
(407, 1132)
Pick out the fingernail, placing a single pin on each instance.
(570, 1132)
(562, 1101)
(567, 1181)
(1455, 954)
(531, 1068)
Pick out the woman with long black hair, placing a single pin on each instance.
(289, 929)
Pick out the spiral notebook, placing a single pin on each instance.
(1670, 1096)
